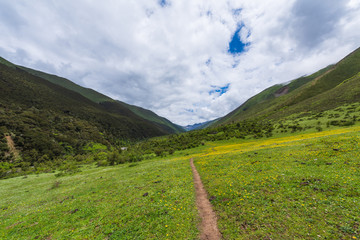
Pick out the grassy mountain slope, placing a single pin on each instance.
(86, 92)
(7, 63)
(153, 117)
(47, 121)
(312, 93)
(97, 97)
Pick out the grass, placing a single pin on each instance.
(86, 92)
(326, 89)
(345, 115)
(153, 117)
(98, 97)
(300, 187)
(147, 200)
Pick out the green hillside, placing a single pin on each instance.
(7, 63)
(86, 92)
(48, 122)
(313, 93)
(97, 97)
(153, 117)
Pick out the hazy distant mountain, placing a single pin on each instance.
(199, 125)
(193, 127)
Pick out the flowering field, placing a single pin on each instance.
(146, 200)
(299, 187)
(302, 186)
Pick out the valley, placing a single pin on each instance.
(300, 186)
(180, 120)
(75, 164)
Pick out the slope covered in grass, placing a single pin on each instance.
(97, 97)
(47, 121)
(7, 63)
(300, 187)
(313, 93)
(153, 117)
(86, 92)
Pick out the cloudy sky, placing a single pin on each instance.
(188, 60)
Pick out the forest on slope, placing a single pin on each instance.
(47, 122)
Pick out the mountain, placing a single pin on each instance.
(46, 120)
(326, 89)
(97, 97)
(193, 126)
(86, 92)
(199, 125)
(154, 118)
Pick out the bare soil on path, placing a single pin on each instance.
(11, 145)
(208, 227)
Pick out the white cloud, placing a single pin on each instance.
(168, 58)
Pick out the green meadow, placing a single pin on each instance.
(76, 164)
(301, 189)
(299, 186)
(146, 200)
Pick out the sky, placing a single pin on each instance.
(189, 61)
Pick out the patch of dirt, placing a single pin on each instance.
(282, 91)
(15, 224)
(208, 227)
(11, 145)
(322, 75)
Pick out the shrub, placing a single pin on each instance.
(319, 129)
(102, 163)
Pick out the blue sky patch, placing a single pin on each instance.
(219, 90)
(236, 46)
(208, 62)
(237, 12)
(163, 3)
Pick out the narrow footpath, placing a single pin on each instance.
(208, 227)
(11, 146)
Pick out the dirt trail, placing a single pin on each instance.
(11, 145)
(209, 229)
